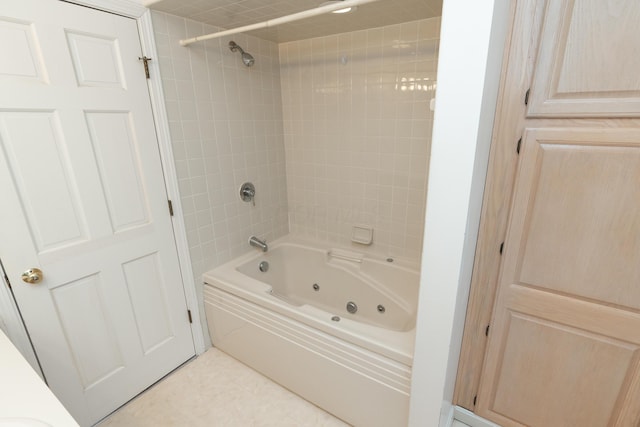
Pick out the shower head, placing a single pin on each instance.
(246, 57)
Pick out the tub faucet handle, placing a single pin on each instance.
(248, 193)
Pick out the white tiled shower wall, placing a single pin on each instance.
(357, 129)
(226, 128)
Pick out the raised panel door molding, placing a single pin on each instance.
(588, 60)
(21, 54)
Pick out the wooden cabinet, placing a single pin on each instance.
(588, 61)
(566, 327)
(564, 334)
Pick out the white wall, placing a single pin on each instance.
(471, 46)
(357, 128)
(225, 121)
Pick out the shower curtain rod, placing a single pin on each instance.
(320, 10)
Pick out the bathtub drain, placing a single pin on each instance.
(316, 287)
(381, 308)
(264, 266)
(336, 318)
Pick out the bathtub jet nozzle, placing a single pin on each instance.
(257, 243)
(352, 307)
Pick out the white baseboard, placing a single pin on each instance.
(470, 418)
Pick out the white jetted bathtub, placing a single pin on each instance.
(334, 326)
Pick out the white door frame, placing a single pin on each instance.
(9, 314)
(463, 126)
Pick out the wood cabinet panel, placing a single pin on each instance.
(567, 338)
(588, 60)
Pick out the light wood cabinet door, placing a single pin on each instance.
(565, 337)
(589, 60)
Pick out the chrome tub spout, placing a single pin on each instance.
(257, 243)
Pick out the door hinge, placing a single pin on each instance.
(475, 399)
(145, 61)
(4, 274)
(526, 97)
(518, 147)
(170, 207)
(486, 331)
(501, 247)
(189, 314)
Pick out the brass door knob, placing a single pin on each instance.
(32, 275)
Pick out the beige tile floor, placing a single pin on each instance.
(216, 390)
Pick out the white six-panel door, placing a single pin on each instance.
(83, 199)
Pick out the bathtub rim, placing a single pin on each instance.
(397, 345)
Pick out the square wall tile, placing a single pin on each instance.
(357, 134)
